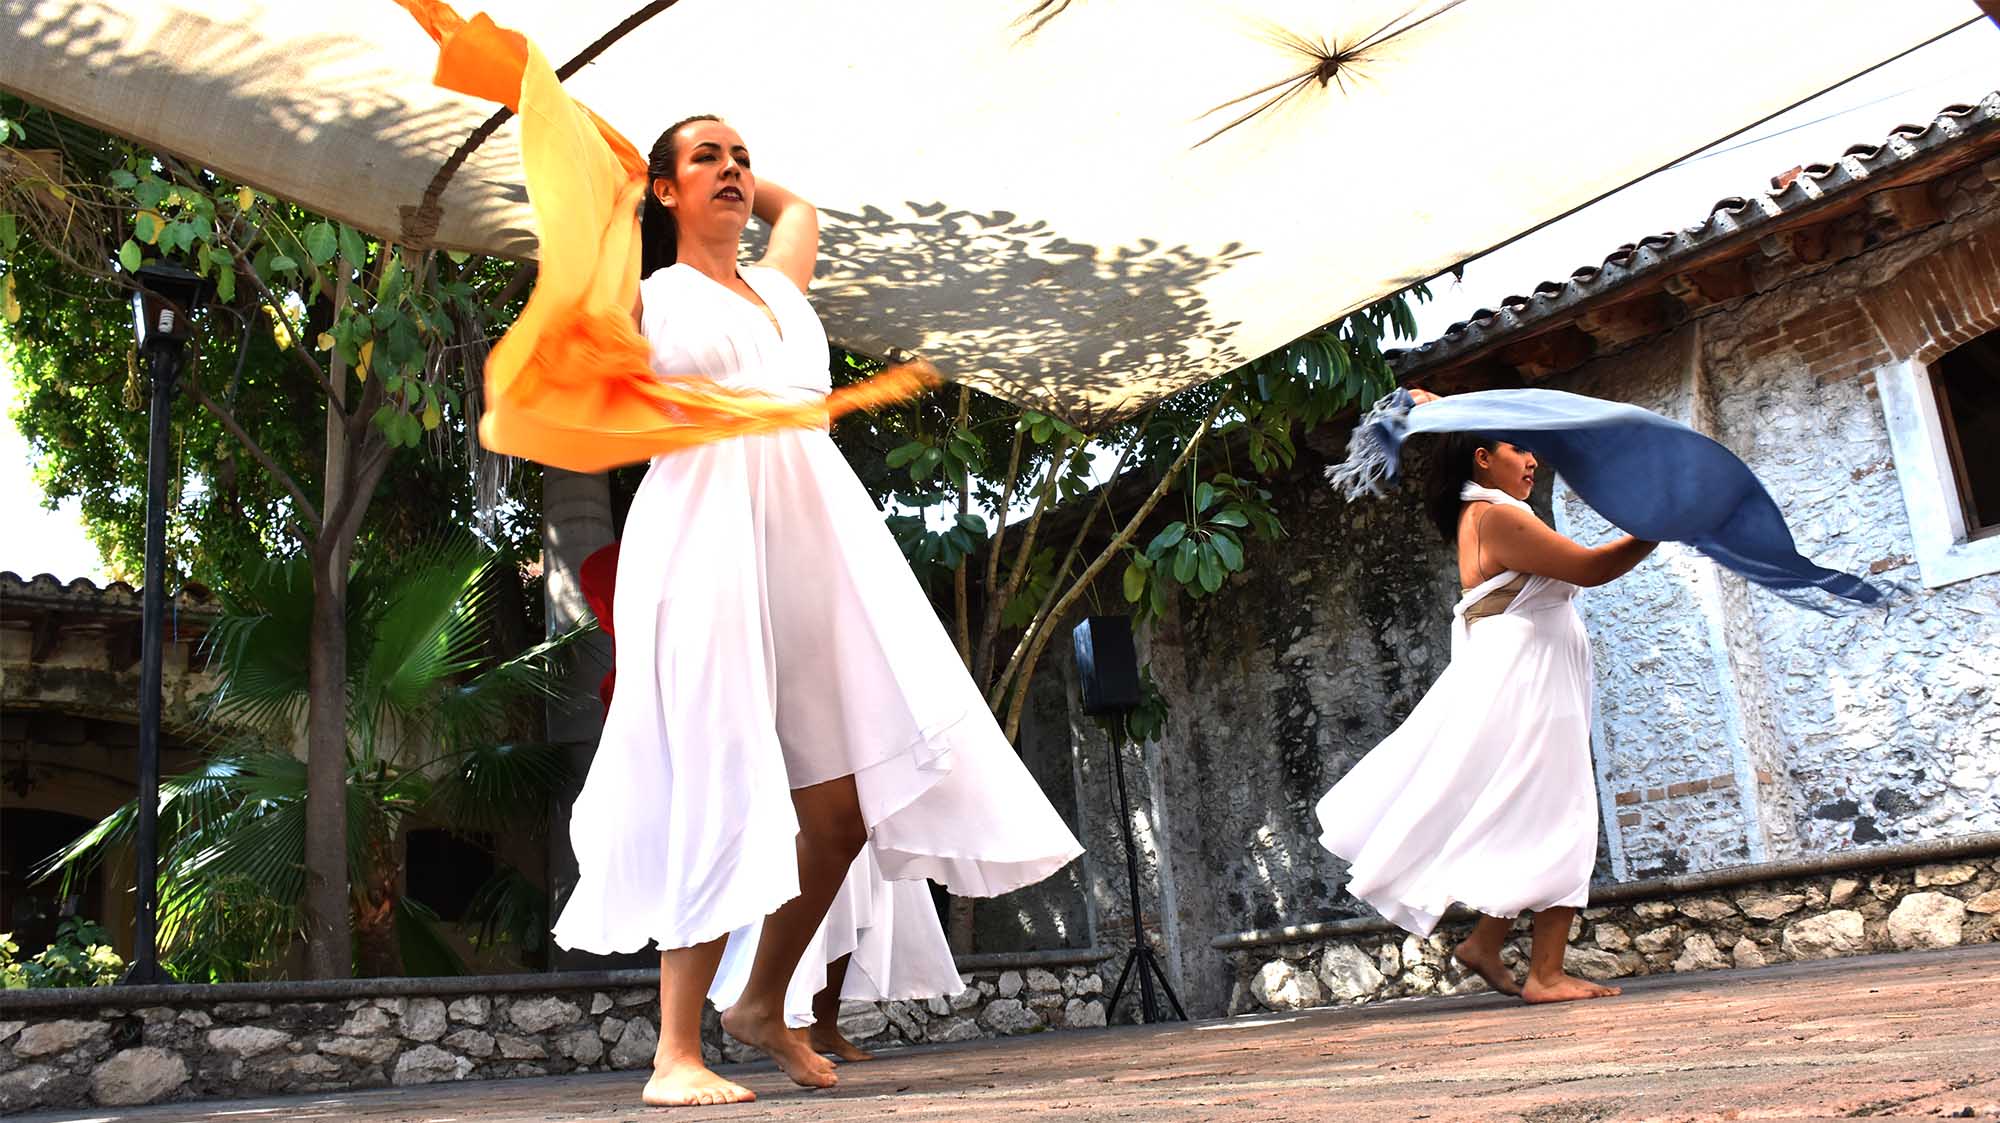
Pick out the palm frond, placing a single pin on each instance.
(235, 935)
(509, 907)
(419, 942)
(478, 708)
(258, 648)
(429, 625)
(192, 797)
(496, 787)
(260, 843)
(233, 829)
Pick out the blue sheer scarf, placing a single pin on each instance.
(1649, 476)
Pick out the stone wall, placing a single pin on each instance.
(1759, 915)
(1732, 726)
(1055, 912)
(123, 1046)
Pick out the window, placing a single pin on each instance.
(1967, 384)
(1944, 434)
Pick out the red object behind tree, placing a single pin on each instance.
(599, 576)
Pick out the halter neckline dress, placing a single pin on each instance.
(1485, 795)
(771, 636)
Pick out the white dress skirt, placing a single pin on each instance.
(1485, 795)
(771, 636)
(889, 929)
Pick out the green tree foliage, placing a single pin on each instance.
(326, 363)
(956, 468)
(81, 390)
(435, 737)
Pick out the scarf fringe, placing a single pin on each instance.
(897, 384)
(1822, 599)
(1374, 449)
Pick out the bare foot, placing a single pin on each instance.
(1565, 988)
(786, 1046)
(1487, 966)
(687, 1085)
(828, 1039)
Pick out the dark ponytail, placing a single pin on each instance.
(1451, 467)
(659, 238)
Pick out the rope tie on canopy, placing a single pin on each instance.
(420, 223)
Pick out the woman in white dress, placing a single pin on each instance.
(786, 695)
(1485, 795)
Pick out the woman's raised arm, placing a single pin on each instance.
(1523, 543)
(794, 224)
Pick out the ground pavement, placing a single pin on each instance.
(1911, 1036)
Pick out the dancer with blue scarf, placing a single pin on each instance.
(1485, 796)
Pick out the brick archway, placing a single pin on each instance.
(1941, 301)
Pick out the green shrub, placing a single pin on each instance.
(80, 957)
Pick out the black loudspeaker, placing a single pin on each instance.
(1106, 664)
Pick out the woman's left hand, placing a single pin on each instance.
(1420, 397)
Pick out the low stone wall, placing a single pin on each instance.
(1927, 895)
(119, 1046)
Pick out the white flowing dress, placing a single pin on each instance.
(1485, 795)
(892, 933)
(771, 636)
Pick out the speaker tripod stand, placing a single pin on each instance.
(1140, 959)
(1107, 671)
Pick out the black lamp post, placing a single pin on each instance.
(162, 313)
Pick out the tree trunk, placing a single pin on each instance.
(376, 947)
(329, 950)
(958, 925)
(1044, 627)
(576, 522)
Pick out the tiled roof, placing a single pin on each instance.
(116, 597)
(1729, 220)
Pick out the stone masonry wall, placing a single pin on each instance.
(101, 1049)
(1810, 916)
(1893, 733)
(1734, 727)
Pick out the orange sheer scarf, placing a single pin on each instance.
(571, 384)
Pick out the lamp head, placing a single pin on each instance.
(163, 307)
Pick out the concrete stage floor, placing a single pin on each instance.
(1909, 1036)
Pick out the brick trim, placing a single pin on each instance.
(1677, 790)
(1938, 302)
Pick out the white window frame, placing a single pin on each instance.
(1946, 554)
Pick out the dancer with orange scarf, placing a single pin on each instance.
(785, 694)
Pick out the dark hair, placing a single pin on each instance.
(659, 238)
(1451, 467)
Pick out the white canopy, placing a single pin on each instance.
(1036, 212)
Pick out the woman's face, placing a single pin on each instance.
(1505, 467)
(712, 186)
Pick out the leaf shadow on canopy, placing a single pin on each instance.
(1006, 292)
(304, 84)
